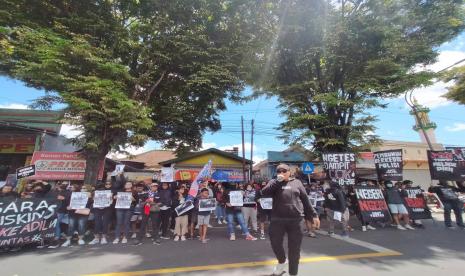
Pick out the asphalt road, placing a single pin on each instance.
(385, 251)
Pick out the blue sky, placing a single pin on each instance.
(394, 122)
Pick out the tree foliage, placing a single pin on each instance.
(130, 70)
(456, 92)
(334, 60)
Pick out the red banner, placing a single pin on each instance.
(60, 166)
(185, 174)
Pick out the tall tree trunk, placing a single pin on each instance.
(95, 160)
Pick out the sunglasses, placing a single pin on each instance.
(282, 171)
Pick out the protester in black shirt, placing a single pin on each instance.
(8, 193)
(336, 208)
(102, 218)
(290, 206)
(166, 197)
(77, 218)
(450, 200)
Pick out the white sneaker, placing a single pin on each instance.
(94, 241)
(116, 241)
(369, 227)
(66, 243)
(81, 242)
(209, 225)
(232, 237)
(176, 238)
(124, 240)
(134, 235)
(219, 222)
(148, 235)
(364, 228)
(183, 238)
(238, 226)
(197, 226)
(279, 268)
(409, 227)
(103, 241)
(400, 227)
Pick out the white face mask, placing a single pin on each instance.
(280, 178)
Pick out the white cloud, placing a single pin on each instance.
(431, 96)
(14, 106)
(132, 150)
(208, 145)
(456, 127)
(70, 131)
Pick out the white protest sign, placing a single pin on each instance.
(167, 174)
(78, 200)
(236, 198)
(207, 204)
(118, 169)
(183, 208)
(337, 216)
(102, 199)
(266, 203)
(123, 200)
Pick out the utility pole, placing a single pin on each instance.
(251, 152)
(243, 149)
(411, 103)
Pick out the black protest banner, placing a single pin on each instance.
(25, 171)
(25, 221)
(372, 205)
(389, 164)
(340, 167)
(444, 165)
(415, 203)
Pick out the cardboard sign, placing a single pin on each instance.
(236, 198)
(389, 164)
(78, 200)
(340, 167)
(372, 204)
(185, 207)
(316, 199)
(167, 174)
(103, 199)
(123, 200)
(249, 197)
(446, 165)
(25, 171)
(26, 221)
(266, 203)
(207, 204)
(416, 204)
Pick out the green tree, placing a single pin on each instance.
(456, 92)
(130, 70)
(334, 60)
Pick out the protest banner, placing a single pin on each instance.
(123, 200)
(185, 207)
(25, 171)
(372, 205)
(203, 174)
(340, 167)
(446, 165)
(415, 203)
(236, 198)
(207, 204)
(389, 164)
(266, 203)
(79, 200)
(102, 199)
(26, 221)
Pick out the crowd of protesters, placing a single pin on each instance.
(152, 214)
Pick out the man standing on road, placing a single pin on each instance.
(449, 198)
(290, 206)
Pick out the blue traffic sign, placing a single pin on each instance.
(308, 167)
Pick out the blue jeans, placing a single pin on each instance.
(456, 206)
(77, 221)
(240, 219)
(123, 221)
(220, 212)
(60, 217)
